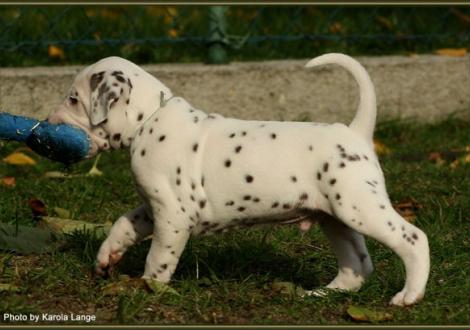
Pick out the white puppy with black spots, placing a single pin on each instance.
(200, 174)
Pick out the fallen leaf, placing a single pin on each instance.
(380, 148)
(55, 52)
(37, 207)
(19, 158)
(160, 288)
(8, 181)
(67, 226)
(336, 27)
(9, 287)
(62, 213)
(436, 157)
(173, 33)
(26, 240)
(455, 52)
(407, 209)
(367, 315)
(57, 175)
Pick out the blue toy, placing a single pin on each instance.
(62, 142)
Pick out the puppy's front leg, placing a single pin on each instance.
(168, 242)
(128, 230)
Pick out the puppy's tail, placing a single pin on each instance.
(364, 121)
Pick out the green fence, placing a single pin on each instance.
(43, 35)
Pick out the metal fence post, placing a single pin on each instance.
(217, 52)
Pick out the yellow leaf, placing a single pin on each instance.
(173, 33)
(18, 158)
(67, 226)
(62, 213)
(367, 315)
(457, 52)
(380, 148)
(55, 52)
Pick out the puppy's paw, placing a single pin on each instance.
(108, 256)
(406, 298)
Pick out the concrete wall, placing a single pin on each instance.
(427, 87)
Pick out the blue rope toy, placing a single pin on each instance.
(62, 142)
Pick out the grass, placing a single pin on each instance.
(228, 279)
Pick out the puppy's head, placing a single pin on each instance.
(109, 100)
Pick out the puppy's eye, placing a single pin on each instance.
(73, 100)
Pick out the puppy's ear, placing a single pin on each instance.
(107, 90)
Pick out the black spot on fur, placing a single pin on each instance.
(293, 179)
(342, 165)
(275, 204)
(332, 181)
(273, 136)
(249, 178)
(241, 209)
(151, 130)
(318, 175)
(238, 148)
(232, 135)
(142, 153)
(202, 203)
(178, 170)
(229, 203)
(338, 196)
(228, 163)
(246, 197)
(310, 148)
(414, 236)
(195, 146)
(325, 167)
(286, 206)
(178, 181)
(161, 138)
(382, 206)
(256, 200)
(140, 116)
(303, 197)
(196, 119)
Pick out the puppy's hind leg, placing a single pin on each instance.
(367, 209)
(349, 246)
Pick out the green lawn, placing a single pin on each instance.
(228, 279)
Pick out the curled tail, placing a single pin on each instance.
(364, 121)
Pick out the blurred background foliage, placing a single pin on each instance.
(46, 35)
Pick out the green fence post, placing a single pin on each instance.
(217, 52)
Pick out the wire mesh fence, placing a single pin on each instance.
(42, 35)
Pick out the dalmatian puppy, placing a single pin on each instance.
(201, 173)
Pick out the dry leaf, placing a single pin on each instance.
(367, 315)
(19, 158)
(55, 52)
(456, 52)
(37, 207)
(8, 181)
(62, 213)
(67, 226)
(380, 148)
(407, 209)
(336, 27)
(173, 33)
(436, 157)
